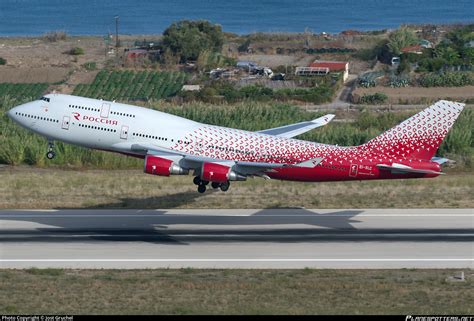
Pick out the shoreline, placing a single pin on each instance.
(362, 31)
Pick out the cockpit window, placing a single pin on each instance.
(45, 99)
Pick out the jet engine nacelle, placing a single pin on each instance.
(163, 167)
(218, 173)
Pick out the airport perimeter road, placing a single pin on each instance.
(270, 238)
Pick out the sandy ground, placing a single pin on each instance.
(416, 95)
(273, 61)
(32, 60)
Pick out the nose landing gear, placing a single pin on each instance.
(50, 154)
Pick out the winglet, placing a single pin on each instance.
(293, 130)
(324, 120)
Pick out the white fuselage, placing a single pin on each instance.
(100, 124)
(119, 127)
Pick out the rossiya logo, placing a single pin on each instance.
(76, 115)
(94, 119)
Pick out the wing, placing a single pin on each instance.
(195, 162)
(293, 130)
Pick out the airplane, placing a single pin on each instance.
(172, 145)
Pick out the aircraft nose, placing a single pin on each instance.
(12, 113)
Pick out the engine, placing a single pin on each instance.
(163, 167)
(218, 173)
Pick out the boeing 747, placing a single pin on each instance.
(172, 145)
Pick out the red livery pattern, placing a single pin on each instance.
(412, 143)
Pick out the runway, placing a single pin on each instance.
(269, 238)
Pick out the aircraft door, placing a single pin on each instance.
(65, 124)
(124, 132)
(104, 111)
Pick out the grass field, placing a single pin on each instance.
(129, 85)
(189, 291)
(29, 187)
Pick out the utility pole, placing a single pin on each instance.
(116, 31)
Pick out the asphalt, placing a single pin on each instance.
(268, 238)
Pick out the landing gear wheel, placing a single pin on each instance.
(215, 185)
(205, 182)
(201, 188)
(197, 180)
(225, 186)
(50, 154)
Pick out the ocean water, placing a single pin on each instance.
(96, 17)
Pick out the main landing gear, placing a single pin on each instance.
(202, 185)
(50, 154)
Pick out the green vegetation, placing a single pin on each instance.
(90, 65)
(447, 79)
(451, 54)
(317, 93)
(188, 39)
(369, 79)
(130, 86)
(22, 91)
(208, 60)
(76, 51)
(3, 61)
(374, 99)
(399, 39)
(240, 291)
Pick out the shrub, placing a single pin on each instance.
(3, 61)
(54, 36)
(91, 65)
(187, 39)
(372, 99)
(447, 79)
(76, 51)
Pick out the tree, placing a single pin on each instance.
(187, 39)
(450, 55)
(399, 39)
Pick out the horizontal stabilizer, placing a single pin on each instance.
(439, 160)
(403, 169)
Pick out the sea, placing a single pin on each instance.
(94, 17)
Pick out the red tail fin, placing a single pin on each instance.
(420, 135)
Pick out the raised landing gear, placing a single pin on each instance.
(201, 188)
(225, 186)
(202, 185)
(50, 154)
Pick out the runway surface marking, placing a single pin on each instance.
(247, 238)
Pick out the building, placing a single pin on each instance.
(333, 66)
(416, 49)
(191, 88)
